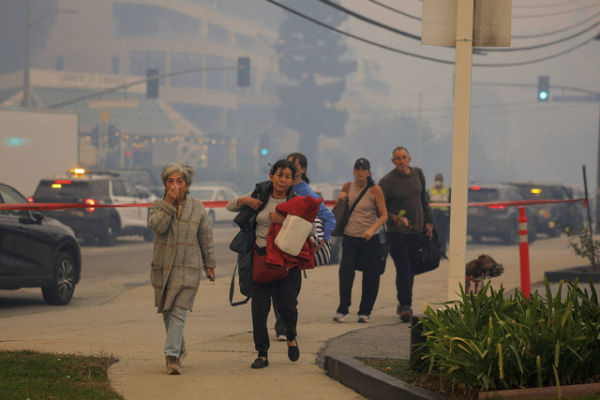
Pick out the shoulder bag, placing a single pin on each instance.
(426, 253)
(342, 213)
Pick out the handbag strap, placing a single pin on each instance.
(237, 303)
(358, 199)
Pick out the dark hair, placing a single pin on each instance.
(301, 158)
(282, 164)
(400, 148)
(370, 181)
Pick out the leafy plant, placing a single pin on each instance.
(583, 244)
(492, 341)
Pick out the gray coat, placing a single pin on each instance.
(182, 246)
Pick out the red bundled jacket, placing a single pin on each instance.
(304, 207)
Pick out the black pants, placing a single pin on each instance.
(400, 245)
(358, 253)
(441, 224)
(285, 293)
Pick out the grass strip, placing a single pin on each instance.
(31, 375)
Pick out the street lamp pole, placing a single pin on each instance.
(26, 67)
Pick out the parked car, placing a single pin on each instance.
(215, 193)
(96, 187)
(498, 221)
(552, 219)
(37, 251)
(145, 177)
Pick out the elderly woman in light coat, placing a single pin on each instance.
(183, 246)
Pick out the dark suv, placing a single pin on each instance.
(551, 219)
(96, 187)
(36, 251)
(498, 221)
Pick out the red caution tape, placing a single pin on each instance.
(220, 204)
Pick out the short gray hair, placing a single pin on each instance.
(186, 171)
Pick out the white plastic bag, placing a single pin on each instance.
(293, 234)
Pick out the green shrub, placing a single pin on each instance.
(492, 342)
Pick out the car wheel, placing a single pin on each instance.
(61, 290)
(109, 237)
(211, 215)
(148, 235)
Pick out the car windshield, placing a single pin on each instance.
(202, 194)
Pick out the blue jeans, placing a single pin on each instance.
(174, 323)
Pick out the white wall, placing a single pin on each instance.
(35, 145)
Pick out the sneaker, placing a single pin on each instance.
(339, 317)
(363, 319)
(281, 337)
(406, 314)
(173, 367)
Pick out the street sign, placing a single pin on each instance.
(491, 23)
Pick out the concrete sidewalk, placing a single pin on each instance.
(219, 336)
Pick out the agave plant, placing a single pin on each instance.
(492, 341)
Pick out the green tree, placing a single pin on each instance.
(311, 59)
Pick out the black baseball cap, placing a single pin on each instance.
(362, 163)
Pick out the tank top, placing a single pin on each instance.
(364, 214)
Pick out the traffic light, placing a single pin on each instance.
(263, 145)
(543, 87)
(152, 83)
(243, 71)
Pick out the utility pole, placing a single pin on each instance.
(26, 68)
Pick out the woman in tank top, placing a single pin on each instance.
(361, 246)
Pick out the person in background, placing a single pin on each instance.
(183, 246)
(439, 193)
(361, 245)
(261, 204)
(407, 203)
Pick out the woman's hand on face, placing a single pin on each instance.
(276, 217)
(250, 202)
(172, 195)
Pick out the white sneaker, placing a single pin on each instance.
(281, 338)
(363, 319)
(339, 317)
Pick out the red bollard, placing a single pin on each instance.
(524, 252)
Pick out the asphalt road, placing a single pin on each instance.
(110, 271)
(107, 271)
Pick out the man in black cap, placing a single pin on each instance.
(409, 214)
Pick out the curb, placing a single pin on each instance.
(371, 383)
(583, 273)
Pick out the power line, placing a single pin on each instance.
(556, 13)
(395, 10)
(369, 20)
(544, 5)
(393, 49)
(558, 30)
(539, 46)
(383, 46)
(415, 37)
(513, 36)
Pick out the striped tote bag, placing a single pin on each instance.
(322, 256)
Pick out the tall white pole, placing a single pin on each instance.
(26, 63)
(460, 147)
